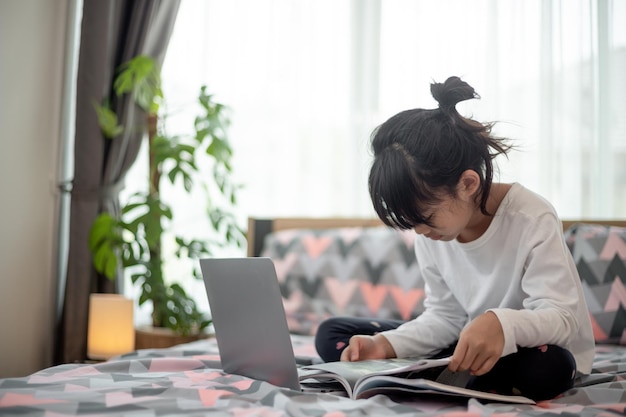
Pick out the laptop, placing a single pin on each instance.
(249, 319)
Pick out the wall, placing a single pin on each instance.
(32, 38)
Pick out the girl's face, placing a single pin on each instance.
(449, 219)
(456, 216)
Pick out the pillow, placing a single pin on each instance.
(600, 256)
(362, 272)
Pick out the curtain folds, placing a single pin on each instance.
(112, 32)
(308, 81)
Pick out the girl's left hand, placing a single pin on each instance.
(480, 345)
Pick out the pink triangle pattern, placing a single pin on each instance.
(373, 295)
(315, 246)
(209, 397)
(294, 303)
(16, 400)
(339, 292)
(406, 301)
(348, 263)
(116, 399)
(613, 245)
(350, 234)
(617, 296)
(283, 266)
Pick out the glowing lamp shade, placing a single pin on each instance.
(111, 328)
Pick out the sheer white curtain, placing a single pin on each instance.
(552, 72)
(308, 80)
(285, 69)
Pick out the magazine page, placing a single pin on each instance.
(349, 373)
(385, 384)
(315, 380)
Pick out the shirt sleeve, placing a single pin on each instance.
(552, 298)
(438, 326)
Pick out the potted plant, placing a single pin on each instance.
(134, 241)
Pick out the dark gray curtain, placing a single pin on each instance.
(112, 32)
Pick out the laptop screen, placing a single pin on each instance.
(249, 319)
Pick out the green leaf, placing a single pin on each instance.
(145, 295)
(140, 76)
(104, 239)
(99, 230)
(110, 267)
(107, 120)
(99, 260)
(132, 206)
(135, 277)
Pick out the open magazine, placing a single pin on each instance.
(363, 379)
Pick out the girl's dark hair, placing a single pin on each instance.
(420, 154)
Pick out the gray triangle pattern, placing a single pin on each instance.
(599, 268)
(601, 294)
(585, 250)
(590, 298)
(376, 255)
(138, 367)
(587, 242)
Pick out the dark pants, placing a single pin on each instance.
(539, 373)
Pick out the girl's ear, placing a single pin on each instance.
(468, 185)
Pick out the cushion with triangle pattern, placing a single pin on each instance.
(372, 272)
(361, 272)
(600, 255)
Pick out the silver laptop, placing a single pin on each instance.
(249, 319)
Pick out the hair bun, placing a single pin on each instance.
(452, 91)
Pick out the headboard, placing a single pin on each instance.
(258, 228)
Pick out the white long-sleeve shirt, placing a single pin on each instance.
(520, 269)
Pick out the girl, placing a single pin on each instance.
(503, 296)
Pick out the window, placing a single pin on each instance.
(308, 81)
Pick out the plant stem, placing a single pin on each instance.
(155, 174)
(156, 273)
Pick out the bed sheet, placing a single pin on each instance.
(187, 381)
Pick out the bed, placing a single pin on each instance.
(326, 267)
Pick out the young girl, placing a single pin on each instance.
(503, 296)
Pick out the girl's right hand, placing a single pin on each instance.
(480, 345)
(362, 347)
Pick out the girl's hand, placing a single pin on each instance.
(363, 347)
(480, 345)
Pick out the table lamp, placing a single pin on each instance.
(111, 329)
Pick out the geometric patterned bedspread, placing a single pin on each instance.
(187, 381)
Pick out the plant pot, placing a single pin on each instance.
(148, 337)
